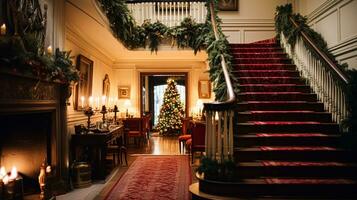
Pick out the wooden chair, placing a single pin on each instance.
(186, 135)
(134, 129)
(198, 138)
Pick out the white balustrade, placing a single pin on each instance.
(219, 135)
(330, 91)
(169, 13)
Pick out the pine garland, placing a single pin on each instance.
(187, 34)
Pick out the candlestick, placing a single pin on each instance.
(88, 112)
(49, 50)
(104, 111)
(115, 110)
(3, 29)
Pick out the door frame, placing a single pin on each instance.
(185, 74)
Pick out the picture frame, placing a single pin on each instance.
(124, 92)
(84, 87)
(204, 89)
(228, 5)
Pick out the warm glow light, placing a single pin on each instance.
(49, 50)
(5, 180)
(48, 169)
(97, 101)
(127, 103)
(104, 98)
(13, 174)
(90, 101)
(82, 101)
(3, 29)
(2, 172)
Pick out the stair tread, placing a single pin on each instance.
(290, 148)
(263, 70)
(245, 93)
(298, 181)
(273, 163)
(282, 122)
(255, 135)
(276, 102)
(274, 85)
(280, 112)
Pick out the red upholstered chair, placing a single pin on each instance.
(185, 135)
(198, 138)
(134, 129)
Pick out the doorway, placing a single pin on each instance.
(153, 85)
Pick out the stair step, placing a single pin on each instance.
(283, 139)
(293, 153)
(279, 105)
(266, 73)
(287, 127)
(296, 169)
(262, 60)
(264, 66)
(270, 80)
(292, 115)
(274, 88)
(254, 45)
(276, 96)
(255, 49)
(260, 55)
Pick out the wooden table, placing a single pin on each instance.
(97, 143)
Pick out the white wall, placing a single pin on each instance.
(253, 22)
(336, 21)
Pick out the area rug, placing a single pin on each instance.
(154, 177)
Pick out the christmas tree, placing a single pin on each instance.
(171, 111)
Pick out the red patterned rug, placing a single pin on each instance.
(154, 177)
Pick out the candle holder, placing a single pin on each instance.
(115, 110)
(89, 113)
(104, 111)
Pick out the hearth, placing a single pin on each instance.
(33, 130)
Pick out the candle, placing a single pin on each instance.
(103, 100)
(90, 101)
(48, 169)
(2, 173)
(3, 29)
(97, 102)
(82, 101)
(49, 50)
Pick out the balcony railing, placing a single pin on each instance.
(168, 12)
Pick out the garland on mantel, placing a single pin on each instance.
(188, 34)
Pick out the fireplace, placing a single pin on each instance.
(32, 130)
(25, 143)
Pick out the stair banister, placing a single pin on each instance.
(219, 115)
(327, 80)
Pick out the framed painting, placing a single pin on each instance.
(204, 89)
(84, 86)
(124, 92)
(228, 5)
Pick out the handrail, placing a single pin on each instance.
(342, 75)
(231, 96)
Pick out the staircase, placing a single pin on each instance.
(286, 145)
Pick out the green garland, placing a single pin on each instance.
(187, 34)
(285, 26)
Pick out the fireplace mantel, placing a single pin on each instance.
(25, 95)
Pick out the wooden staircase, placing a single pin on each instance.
(287, 145)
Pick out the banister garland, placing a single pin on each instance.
(188, 34)
(284, 23)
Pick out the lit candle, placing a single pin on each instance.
(103, 100)
(97, 102)
(2, 173)
(13, 174)
(82, 101)
(49, 50)
(90, 101)
(3, 29)
(48, 169)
